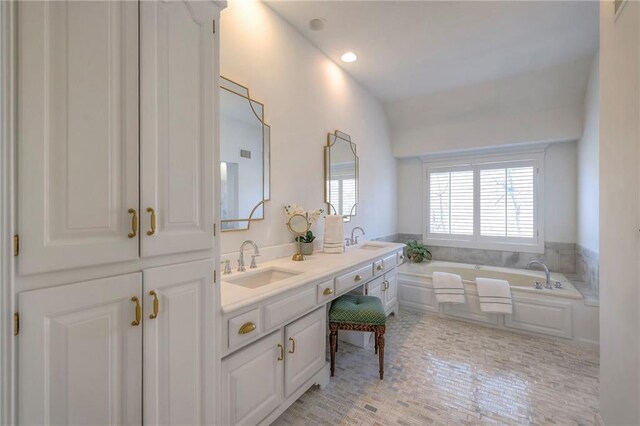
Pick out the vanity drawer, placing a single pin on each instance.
(390, 261)
(354, 278)
(325, 291)
(290, 307)
(378, 267)
(244, 327)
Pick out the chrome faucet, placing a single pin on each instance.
(256, 253)
(546, 271)
(354, 239)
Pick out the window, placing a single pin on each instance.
(486, 202)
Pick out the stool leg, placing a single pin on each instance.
(376, 342)
(333, 339)
(380, 340)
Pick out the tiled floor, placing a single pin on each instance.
(442, 371)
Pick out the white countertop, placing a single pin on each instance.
(313, 269)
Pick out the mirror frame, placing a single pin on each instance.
(327, 172)
(243, 91)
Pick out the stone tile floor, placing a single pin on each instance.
(440, 371)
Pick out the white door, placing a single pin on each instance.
(252, 381)
(306, 353)
(77, 133)
(80, 353)
(391, 291)
(179, 356)
(374, 288)
(177, 134)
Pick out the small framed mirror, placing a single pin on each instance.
(245, 157)
(298, 225)
(341, 175)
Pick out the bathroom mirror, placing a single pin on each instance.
(298, 225)
(341, 175)
(244, 157)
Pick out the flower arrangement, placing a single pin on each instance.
(312, 217)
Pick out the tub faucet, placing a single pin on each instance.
(256, 253)
(354, 239)
(546, 271)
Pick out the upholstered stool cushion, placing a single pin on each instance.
(356, 309)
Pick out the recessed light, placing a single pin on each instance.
(349, 57)
(317, 24)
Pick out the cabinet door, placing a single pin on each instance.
(374, 288)
(252, 381)
(178, 344)
(77, 133)
(391, 292)
(79, 355)
(177, 117)
(306, 354)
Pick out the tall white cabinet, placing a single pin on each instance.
(116, 247)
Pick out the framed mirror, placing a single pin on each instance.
(341, 175)
(245, 157)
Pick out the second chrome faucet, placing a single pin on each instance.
(256, 253)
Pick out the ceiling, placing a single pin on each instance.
(413, 48)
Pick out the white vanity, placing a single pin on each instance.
(274, 324)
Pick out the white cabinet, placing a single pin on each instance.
(257, 379)
(390, 296)
(306, 349)
(178, 344)
(374, 288)
(177, 77)
(252, 381)
(81, 349)
(77, 133)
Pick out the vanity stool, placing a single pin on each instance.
(357, 313)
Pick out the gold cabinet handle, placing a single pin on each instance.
(281, 357)
(153, 221)
(357, 278)
(380, 267)
(293, 346)
(136, 322)
(386, 285)
(402, 257)
(247, 328)
(134, 223)
(327, 291)
(156, 304)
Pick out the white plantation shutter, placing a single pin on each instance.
(489, 203)
(451, 202)
(506, 202)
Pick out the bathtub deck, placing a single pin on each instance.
(442, 371)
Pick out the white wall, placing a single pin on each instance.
(588, 164)
(559, 189)
(306, 96)
(619, 199)
(544, 106)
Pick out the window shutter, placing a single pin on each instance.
(451, 202)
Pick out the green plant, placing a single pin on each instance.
(417, 252)
(307, 238)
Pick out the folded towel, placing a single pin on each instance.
(333, 234)
(448, 287)
(495, 295)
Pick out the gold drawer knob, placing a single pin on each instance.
(380, 267)
(357, 278)
(247, 328)
(327, 291)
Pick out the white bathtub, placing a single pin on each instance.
(559, 313)
(519, 279)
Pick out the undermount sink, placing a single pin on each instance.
(370, 246)
(261, 278)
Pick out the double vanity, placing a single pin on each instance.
(275, 324)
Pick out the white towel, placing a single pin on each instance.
(333, 234)
(495, 295)
(448, 287)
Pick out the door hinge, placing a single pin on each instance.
(215, 275)
(214, 229)
(214, 26)
(16, 324)
(16, 244)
